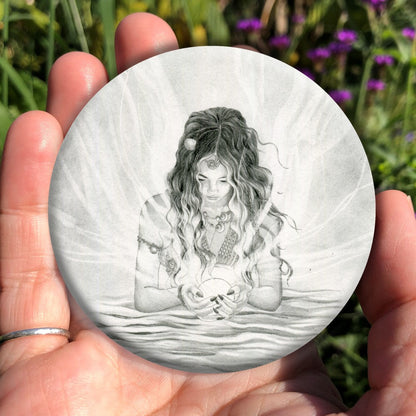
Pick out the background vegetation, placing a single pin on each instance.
(363, 52)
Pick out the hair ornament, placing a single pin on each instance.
(190, 144)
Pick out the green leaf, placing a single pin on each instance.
(383, 154)
(217, 28)
(188, 15)
(40, 18)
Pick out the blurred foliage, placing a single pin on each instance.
(35, 32)
(384, 119)
(343, 349)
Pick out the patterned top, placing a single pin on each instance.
(226, 255)
(156, 234)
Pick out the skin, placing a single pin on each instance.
(215, 189)
(91, 375)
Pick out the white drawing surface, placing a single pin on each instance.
(211, 209)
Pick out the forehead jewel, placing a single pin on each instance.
(213, 162)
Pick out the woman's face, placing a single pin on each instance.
(214, 186)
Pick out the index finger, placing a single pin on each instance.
(77, 76)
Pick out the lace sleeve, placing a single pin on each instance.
(268, 260)
(154, 229)
(155, 238)
(271, 263)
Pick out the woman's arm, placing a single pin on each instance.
(147, 296)
(268, 295)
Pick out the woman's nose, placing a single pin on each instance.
(212, 187)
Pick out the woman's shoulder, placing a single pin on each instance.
(153, 224)
(271, 224)
(156, 206)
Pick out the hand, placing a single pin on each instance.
(239, 293)
(91, 375)
(194, 301)
(231, 303)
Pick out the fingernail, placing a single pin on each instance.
(221, 297)
(213, 298)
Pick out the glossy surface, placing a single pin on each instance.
(116, 157)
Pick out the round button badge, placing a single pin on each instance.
(211, 209)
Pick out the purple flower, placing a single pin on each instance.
(377, 5)
(408, 33)
(298, 18)
(346, 36)
(280, 42)
(318, 54)
(249, 25)
(382, 60)
(410, 137)
(308, 73)
(338, 48)
(375, 85)
(340, 96)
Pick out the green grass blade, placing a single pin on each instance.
(106, 9)
(78, 25)
(5, 122)
(5, 80)
(409, 110)
(51, 36)
(18, 83)
(358, 118)
(69, 23)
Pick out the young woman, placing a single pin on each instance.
(209, 241)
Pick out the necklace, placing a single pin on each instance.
(218, 222)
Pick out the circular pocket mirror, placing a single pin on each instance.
(211, 209)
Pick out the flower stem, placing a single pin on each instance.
(51, 36)
(408, 114)
(5, 78)
(363, 89)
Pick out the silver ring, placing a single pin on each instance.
(34, 331)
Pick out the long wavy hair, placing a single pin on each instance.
(222, 132)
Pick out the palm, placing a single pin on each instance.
(92, 375)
